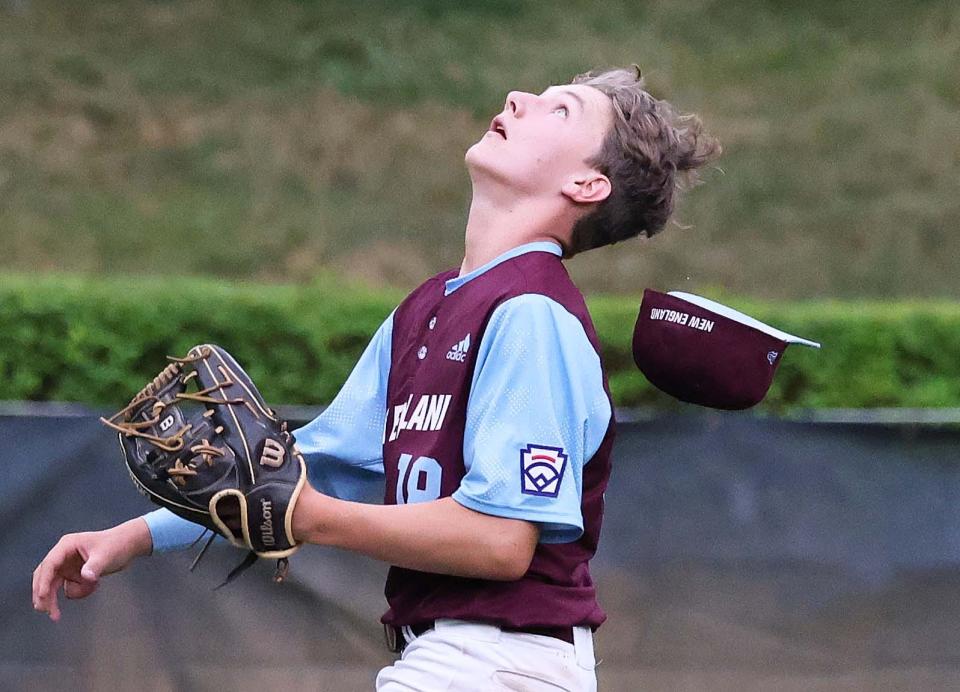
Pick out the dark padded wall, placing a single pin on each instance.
(737, 553)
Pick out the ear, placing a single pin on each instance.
(587, 187)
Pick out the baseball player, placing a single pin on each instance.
(482, 404)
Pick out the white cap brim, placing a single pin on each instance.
(738, 316)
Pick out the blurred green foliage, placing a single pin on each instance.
(270, 140)
(99, 341)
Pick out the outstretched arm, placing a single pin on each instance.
(440, 536)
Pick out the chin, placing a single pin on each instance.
(486, 164)
(482, 162)
(479, 154)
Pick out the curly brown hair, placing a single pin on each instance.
(651, 153)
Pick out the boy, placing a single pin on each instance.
(483, 402)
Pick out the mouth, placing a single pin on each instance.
(496, 126)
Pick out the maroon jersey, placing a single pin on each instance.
(432, 368)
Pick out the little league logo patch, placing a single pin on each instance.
(541, 470)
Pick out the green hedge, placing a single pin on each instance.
(98, 340)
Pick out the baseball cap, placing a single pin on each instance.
(699, 351)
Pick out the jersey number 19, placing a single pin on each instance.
(418, 481)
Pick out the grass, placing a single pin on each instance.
(272, 140)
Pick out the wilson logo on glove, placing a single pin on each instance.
(266, 528)
(205, 470)
(273, 453)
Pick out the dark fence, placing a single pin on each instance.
(737, 553)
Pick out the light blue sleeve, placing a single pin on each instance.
(170, 532)
(537, 413)
(343, 446)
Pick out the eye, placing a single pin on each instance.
(563, 110)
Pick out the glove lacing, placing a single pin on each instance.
(174, 442)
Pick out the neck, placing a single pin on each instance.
(497, 226)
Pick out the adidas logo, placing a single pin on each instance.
(459, 350)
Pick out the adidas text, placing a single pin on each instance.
(459, 351)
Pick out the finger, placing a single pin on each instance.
(40, 587)
(46, 573)
(41, 584)
(54, 605)
(36, 574)
(78, 589)
(92, 568)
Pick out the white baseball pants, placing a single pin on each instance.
(467, 656)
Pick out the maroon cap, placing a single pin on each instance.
(705, 353)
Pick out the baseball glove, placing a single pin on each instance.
(217, 456)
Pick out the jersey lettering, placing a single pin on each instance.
(428, 414)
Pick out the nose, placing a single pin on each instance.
(518, 102)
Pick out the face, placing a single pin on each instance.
(539, 143)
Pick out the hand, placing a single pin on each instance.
(78, 560)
